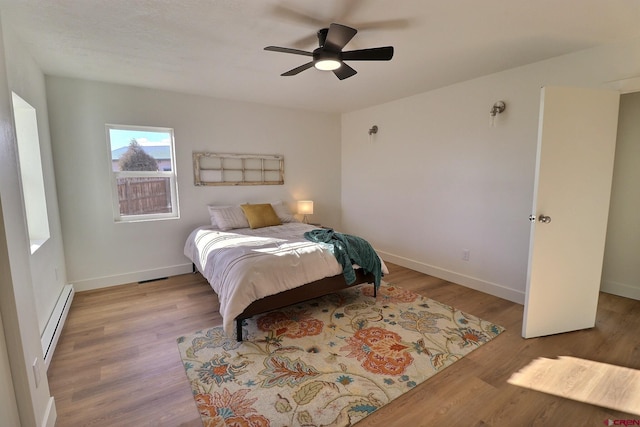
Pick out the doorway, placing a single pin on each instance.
(621, 268)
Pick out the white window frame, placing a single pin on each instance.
(172, 175)
(31, 173)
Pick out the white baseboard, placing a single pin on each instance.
(620, 289)
(50, 416)
(136, 276)
(460, 279)
(51, 334)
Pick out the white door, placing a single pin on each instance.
(576, 146)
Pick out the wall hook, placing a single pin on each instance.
(373, 130)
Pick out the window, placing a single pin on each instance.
(143, 173)
(35, 201)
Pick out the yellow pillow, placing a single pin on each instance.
(261, 215)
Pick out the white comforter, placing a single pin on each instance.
(244, 265)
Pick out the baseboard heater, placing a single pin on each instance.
(54, 326)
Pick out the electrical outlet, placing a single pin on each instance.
(465, 254)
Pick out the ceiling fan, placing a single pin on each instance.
(329, 55)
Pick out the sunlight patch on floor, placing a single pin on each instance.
(602, 384)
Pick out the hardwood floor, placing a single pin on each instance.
(117, 362)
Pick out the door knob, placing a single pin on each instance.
(544, 219)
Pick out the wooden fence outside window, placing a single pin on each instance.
(141, 196)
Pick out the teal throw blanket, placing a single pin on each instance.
(348, 250)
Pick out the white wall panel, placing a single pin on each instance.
(100, 252)
(437, 179)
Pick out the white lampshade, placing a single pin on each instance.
(305, 207)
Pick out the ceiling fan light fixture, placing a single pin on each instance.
(327, 64)
(329, 55)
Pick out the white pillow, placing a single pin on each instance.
(283, 212)
(213, 209)
(228, 217)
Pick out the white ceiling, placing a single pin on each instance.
(215, 47)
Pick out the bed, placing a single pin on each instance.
(255, 267)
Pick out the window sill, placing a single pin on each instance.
(35, 244)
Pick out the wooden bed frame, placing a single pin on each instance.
(312, 290)
(316, 289)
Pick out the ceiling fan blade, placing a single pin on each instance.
(338, 36)
(348, 8)
(344, 72)
(387, 24)
(295, 15)
(306, 41)
(288, 50)
(299, 69)
(373, 54)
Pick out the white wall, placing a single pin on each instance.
(17, 300)
(8, 404)
(621, 269)
(100, 252)
(47, 264)
(436, 179)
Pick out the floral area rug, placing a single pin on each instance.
(327, 362)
